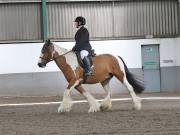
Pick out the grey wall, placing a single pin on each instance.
(115, 19)
(47, 84)
(31, 84)
(40, 84)
(20, 20)
(54, 83)
(178, 79)
(170, 79)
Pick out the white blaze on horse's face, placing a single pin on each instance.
(40, 60)
(71, 58)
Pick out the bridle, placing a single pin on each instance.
(51, 59)
(47, 60)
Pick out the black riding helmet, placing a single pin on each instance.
(81, 20)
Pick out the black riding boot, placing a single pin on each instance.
(87, 68)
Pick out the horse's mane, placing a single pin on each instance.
(60, 49)
(71, 58)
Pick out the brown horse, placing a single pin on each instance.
(104, 67)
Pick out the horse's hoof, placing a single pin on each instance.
(92, 110)
(137, 105)
(63, 109)
(106, 105)
(105, 108)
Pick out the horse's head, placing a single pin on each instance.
(46, 54)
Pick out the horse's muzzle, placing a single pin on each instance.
(41, 65)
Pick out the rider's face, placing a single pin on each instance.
(76, 24)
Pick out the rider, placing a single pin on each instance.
(82, 43)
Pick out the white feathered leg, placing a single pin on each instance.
(136, 100)
(66, 102)
(93, 103)
(106, 103)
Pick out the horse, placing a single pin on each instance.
(105, 66)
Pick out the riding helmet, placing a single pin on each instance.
(81, 20)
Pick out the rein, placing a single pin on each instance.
(48, 60)
(67, 52)
(63, 54)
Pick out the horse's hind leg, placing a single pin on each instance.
(136, 100)
(106, 103)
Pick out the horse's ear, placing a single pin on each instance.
(48, 41)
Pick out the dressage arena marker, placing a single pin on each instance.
(85, 101)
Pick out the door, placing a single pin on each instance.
(151, 67)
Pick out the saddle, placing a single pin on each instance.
(91, 54)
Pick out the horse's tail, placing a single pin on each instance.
(136, 83)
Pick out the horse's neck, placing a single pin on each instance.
(70, 57)
(60, 50)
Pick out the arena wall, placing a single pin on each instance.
(20, 75)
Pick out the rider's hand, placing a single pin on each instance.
(74, 49)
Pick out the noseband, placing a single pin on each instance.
(47, 60)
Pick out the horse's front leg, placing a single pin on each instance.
(93, 103)
(67, 101)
